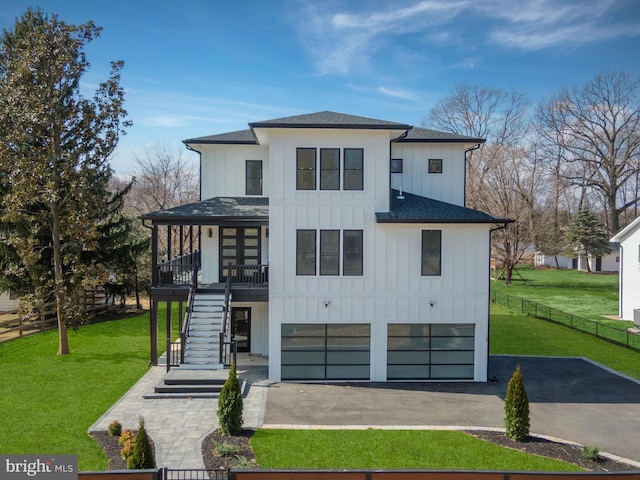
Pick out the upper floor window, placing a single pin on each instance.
(253, 173)
(431, 252)
(352, 252)
(306, 169)
(329, 169)
(306, 252)
(329, 252)
(353, 168)
(396, 165)
(435, 165)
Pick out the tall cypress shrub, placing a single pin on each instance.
(142, 456)
(516, 408)
(230, 405)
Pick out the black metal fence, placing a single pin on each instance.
(618, 336)
(194, 474)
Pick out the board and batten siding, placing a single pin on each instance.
(391, 289)
(630, 274)
(223, 169)
(415, 177)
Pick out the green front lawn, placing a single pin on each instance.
(389, 449)
(49, 401)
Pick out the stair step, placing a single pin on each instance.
(188, 388)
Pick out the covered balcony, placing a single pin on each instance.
(219, 245)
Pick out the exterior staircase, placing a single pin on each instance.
(202, 349)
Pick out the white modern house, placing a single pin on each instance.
(629, 239)
(338, 246)
(605, 263)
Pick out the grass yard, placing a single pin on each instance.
(588, 295)
(49, 401)
(389, 449)
(516, 334)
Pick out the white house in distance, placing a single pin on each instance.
(337, 245)
(629, 239)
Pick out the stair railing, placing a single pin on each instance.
(225, 332)
(176, 350)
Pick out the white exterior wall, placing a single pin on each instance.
(223, 169)
(630, 274)
(558, 261)
(6, 303)
(391, 289)
(415, 178)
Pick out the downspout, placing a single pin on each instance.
(189, 147)
(490, 378)
(465, 170)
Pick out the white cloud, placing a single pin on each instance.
(344, 41)
(397, 93)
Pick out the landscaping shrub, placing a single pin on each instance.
(230, 405)
(126, 440)
(114, 428)
(142, 455)
(225, 450)
(591, 453)
(516, 408)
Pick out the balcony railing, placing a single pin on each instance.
(179, 271)
(250, 275)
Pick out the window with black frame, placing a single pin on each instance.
(431, 252)
(253, 173)
(306, 169)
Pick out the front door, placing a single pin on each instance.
(238, 246)
(241, 327)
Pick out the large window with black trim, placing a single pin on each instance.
(253, 177)
(337, 252)
(336, 170)
(338, 351)
(436, 351)
(431, 252)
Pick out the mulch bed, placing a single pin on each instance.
(112, 448)
(547, 448)
(242, 451)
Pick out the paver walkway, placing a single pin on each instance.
(179, 426)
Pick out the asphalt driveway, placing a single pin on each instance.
(569, 398)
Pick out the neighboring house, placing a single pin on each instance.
(607, 263)
(345, 247)
(8, 301)
(629, 239)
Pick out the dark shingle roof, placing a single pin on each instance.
(417, 209)
(330, 120)
(218, 208)
(241, 137)
(427, 135)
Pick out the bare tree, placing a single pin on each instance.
(481, 112)
(503, 177)
(597, 130)
(164, 178)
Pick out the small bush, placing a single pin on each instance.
(591, 453)
(142, 455)
(114, 428)
(126, 440)
(243, 463)
(516, 408)
(225, 450)
(230, 405)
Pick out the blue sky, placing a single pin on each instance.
(199, 67)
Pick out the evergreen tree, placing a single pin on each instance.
(587, 236)
(516, 408)
(142, 455)
(230, 405)
(54, 150)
